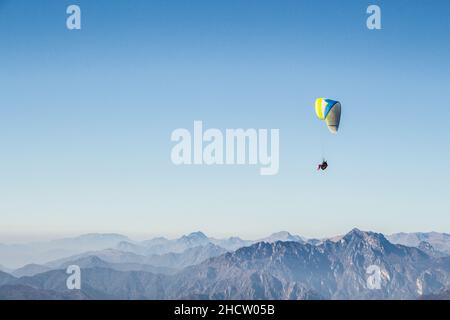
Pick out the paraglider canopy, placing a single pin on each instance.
(329, 111)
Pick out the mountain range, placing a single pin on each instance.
(281, 266)
(439, 241)
(14, 256)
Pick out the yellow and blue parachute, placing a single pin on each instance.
(329, 111)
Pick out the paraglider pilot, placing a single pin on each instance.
(323, 165)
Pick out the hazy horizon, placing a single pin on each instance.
(27, 238)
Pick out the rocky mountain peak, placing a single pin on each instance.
(198, 235)
(372, 238)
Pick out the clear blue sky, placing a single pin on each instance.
(86, 116)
